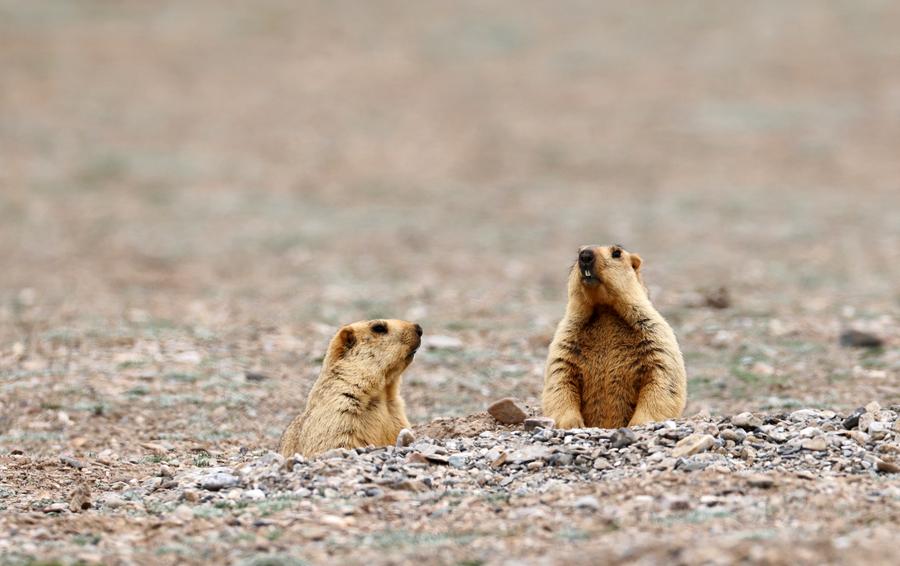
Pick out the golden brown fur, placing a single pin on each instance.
(356, 399)
(614, 361)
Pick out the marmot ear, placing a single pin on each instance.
(342, 343)
(347, 338)
(636, 261)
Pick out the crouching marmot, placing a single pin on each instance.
(614, 360)
(356, 399)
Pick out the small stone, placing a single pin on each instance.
(416, 458)
(746, 421)
(679, 503)
(255, 376)
(165, 472)
(532, 423)
(561, 459)
(748, 454)
(858, 339)
(693, 444)
(529, 454)
(817, 444)
(374, 492)
(735, 435)
(623, 437)
(190, 495)
(602, 464)
(761, 481)
(254, 494)
(865, 421)
(852, 421)
(457, 461)
(873, 407)
(508, 411)
(56, 508)
(887, 467)
(405, 438)
(859, 437)
(587, 502)
(499, 461)
(72, 462)
(218, 481)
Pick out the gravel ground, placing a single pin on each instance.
(195, 194)
(642, 495)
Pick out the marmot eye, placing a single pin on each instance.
(617, 253)
(379, 328)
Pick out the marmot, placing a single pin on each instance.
(356, 399)
(614, 361)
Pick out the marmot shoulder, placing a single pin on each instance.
(356, 399)
(614, 361)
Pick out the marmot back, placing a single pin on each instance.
(614, 361)
(356, 400)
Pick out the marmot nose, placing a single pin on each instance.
(419, 330)
(586, 257)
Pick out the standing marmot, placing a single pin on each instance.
(614, 360)
(356, 399)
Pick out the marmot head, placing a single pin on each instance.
(384, 345)
(605, 274)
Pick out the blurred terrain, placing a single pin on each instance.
(190, 191)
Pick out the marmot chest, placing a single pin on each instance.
(611, 375)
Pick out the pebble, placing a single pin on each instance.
(508, 411)
(587, 502)
(852, 421)
(817, 444)
(887, 467)
(218, 481)
(693, 444)
(532, 423)
(746, 421)
(405, 438)
(623, 437)
(56, 508)
(457, 460)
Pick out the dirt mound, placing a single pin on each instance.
(468, 426)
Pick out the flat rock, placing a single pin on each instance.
(529, 454)
(817, 444)
(532, 423)
(693, 444)
(746, 421)
(218, 481)
(508, 411)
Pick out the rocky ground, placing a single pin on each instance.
(764, 482)
(195, 195)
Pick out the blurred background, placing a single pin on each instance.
(191, 191)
